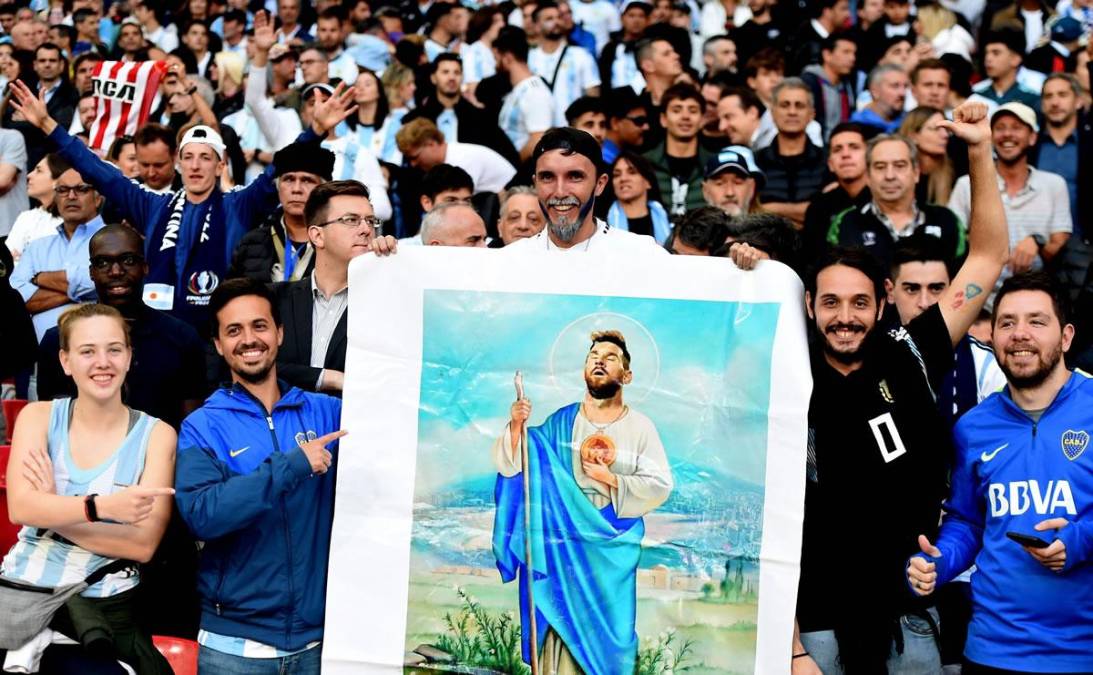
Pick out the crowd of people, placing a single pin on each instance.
(918, 164)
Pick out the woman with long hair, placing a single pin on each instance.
(375, 124)
(477, 53)
(399, 85)
(123, 154)
(41, 221)
(637, 206)
(936, 172)
(89, 480)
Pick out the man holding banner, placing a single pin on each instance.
(189, 235)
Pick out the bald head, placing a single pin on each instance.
(119, 238)
(453, 224)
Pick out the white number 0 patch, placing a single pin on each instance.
(898, 449)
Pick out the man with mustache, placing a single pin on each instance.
(732, 181)
(597, 452)
(877, 450)
(569, 175)
(1021, 467)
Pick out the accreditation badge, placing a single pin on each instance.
(159, 296)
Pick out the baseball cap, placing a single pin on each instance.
(1066, 29)
(735, 158)
(642, 4)
(203, 134)
(280, 51)
(1020, 111)
(318, 85)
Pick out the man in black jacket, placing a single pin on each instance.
(341, 226)
(51, 68)
(447, 108)
(279, 248)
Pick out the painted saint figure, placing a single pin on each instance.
(596, 467)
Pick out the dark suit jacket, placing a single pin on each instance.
(296, 303)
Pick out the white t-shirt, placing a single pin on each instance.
(478, 62)
(577, 73)
(599, 17)
(489, 170)
(30, 225)
(355, 161)
(605, 238)
(13, 150)
(528, 109)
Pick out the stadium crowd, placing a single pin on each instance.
(919, 164)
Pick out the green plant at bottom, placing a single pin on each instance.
(667, 653)
(478, 637)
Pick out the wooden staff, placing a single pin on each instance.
(528, 567)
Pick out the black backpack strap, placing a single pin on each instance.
(558, 67)
(107, 569)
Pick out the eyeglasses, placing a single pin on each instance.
(81, 189)
(352, 220)
(639, 120)
(126, 260)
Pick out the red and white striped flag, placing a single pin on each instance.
(123, 98)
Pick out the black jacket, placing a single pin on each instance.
(475, 126)
(61, 107)
(294, 357)
(256, 253)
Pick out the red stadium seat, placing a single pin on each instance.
(180, 653)
(12, 408)
(8, 532)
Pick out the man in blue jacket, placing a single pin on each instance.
(190, 235)
(1021, 506)
(254, 482)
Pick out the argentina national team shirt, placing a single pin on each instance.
(576, 74)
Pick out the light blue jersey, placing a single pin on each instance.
(527, 109)
(42, 558)
(571, 70)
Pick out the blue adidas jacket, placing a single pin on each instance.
(244, 487)
(1012, 473)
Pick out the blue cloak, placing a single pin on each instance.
(584, 559)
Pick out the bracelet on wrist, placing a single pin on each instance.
(89, 508)
(797, 656)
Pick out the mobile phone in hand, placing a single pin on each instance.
(1028, 540)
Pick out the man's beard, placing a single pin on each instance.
(557, 34)
(564, 228)
(1037, 376)
(257, 377)
(847, 358)
(603, 391)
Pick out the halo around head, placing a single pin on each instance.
(567, 354)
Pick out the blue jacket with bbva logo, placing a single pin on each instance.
(188, 246)
(1011, 473)
(244, 487)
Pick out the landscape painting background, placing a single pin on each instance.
(701, 373)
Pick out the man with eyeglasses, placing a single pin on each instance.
(52, 272)
(341, 225)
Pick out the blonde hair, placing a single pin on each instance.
(939, 182)
(417, 133)
(933, 19)
(70, 317)
(394, 77)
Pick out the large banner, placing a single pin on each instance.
(664, 537)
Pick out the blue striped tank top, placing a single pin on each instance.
(42, 558)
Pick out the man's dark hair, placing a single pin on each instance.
(612, 337)
(818, 6)
(704, 228)
(87, 94)
(438, 11)
(540, 6)
(116, 228)
(49, 46)
(682, 91)
(1011, 38)
(447, 56)
(854, 257)
(319, 199)
(767, 58)
(82, 58)
(571, 142)
(512, 40)
(8, 8)
(850, 128)
(583, 105)
(335, 12)
(831, 41)
(920, 250)
(236, 15)
(770, 233)
(69, 32)
(929, 64)
(445, 177)
(152, 132)
(747, 96)
(621, 101)
(1035, 281)
(81, 14)
(239, 288)
(194, 22)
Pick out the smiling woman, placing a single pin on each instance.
(91, 486)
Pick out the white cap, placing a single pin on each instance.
(1019, 110)
(203, 134)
